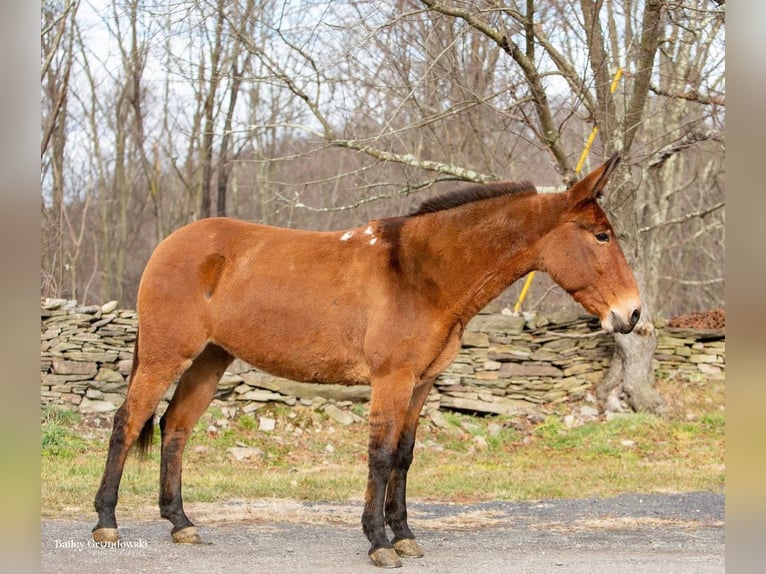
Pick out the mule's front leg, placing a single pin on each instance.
(381, 552)
(396, 502)
(388, 407)
(396, 494)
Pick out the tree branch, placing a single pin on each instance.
(687, 141)
(651, 28)
(405, 191)
(328, 133)
(691, 95)
(683, 218)
(548, 132)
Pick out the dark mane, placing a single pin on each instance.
(474, 193)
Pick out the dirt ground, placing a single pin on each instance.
(651, 534)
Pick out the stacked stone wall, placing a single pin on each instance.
(508, 364)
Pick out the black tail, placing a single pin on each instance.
(144, 442)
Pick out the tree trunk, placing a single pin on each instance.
(630, 376)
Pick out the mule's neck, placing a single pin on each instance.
(464, 257)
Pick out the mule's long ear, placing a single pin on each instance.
(592, 185)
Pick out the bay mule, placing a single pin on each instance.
(383, 304)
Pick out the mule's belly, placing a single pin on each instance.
(305, 335)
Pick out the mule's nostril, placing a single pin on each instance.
(634, 317)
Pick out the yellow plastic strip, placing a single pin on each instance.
(586, 150)
(524, 290)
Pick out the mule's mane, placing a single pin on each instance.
(472, 194)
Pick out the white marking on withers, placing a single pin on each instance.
(369, 231)
(346, 236)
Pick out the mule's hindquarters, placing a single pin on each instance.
(160, 358)
(148, 383)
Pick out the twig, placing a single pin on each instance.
(685, 217)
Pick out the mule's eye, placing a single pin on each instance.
(602, 237)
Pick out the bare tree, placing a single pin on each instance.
(534, 40)
(318, 114)
(57, 37)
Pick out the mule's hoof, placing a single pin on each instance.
(408, 548)
(385, 558)
(188, 535)
(105, 535)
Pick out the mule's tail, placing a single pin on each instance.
(143, 443)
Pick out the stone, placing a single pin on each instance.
(115, 387)
(109, 376)
(355, 393)
(243, 453)
(709, 369)
(229, 380)
(505, 353)
(480, 442)
(702, 358)
(266, 424)
(543, 355)
(563, 316)
(577, 369)
(560, 345)
(588, 411)
(114, 398)
(65, 367)
(73, 398)
(512, 324)
(124, 366)
(475, 339)
(108, 307)
(525, 370)
(260, 380)
(491, 365)
(94, 356)
(338, 415)
(261, 396)
(498, 407)
(96, 406)
(438, 419)
(48, 379)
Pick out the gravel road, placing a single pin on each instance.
(652, 534)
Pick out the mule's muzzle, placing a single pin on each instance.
(619, 324)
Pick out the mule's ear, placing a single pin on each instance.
(592, 185)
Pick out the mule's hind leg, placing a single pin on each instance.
(396, 492)
(148, 383)
(194, 393)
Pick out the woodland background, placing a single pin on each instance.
(323, 115)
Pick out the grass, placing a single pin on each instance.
(310, 457)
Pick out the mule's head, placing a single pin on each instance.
(582, 255)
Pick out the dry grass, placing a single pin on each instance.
(311, 458)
